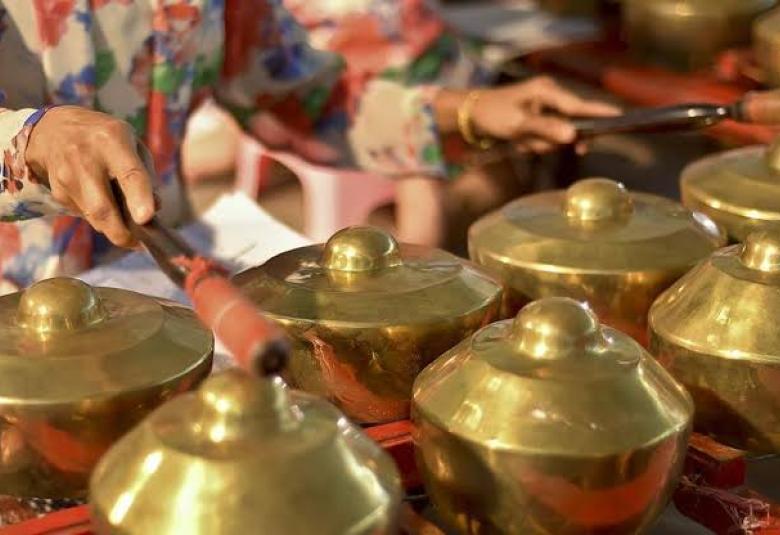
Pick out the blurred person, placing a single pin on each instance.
(84, 80)
(407, 42)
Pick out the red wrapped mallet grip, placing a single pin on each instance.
(257, 344)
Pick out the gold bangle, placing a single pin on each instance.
(465, 123)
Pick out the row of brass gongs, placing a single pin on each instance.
(556, 421)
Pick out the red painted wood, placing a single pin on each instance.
(396, 439)
(715, 464)
(74, 521)
(704, 494)
(727, 512)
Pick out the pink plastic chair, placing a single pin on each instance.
(332, 198)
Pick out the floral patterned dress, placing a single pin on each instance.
(403, 40)
(150, 62)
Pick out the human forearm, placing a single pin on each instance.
(534, 114)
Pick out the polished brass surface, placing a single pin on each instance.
(366, 315)
(549, 423)
(245, 455)
(766, 46)
(739, 189)
(79, 366)
(595, 242)
(689, 34)
(716, 330)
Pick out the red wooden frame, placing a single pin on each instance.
(74, 521)
(711, 492)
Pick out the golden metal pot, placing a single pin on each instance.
(766, 46)
(245, 455)
(716, 331)
(739, 189)
(594, 242)
(79, 367)
(550, 423)
(366, 315)
(689, 34)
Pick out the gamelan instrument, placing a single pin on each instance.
(595, 242)
(716, 331)
(550, 423)
(79, 367)
(365, 314)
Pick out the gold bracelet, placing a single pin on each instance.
(465, 123)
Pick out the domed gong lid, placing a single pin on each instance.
(728, 305)
(552, 381)
(362, 276)
(63, 341)
(245, 452)
(739, 189)
(595, 226)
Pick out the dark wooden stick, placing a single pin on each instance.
(759, 107)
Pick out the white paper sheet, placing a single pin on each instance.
(235, 231)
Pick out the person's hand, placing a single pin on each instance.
(533, 114)
(79, 151)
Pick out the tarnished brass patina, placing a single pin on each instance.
(739, 189)
(594, 242)
(689, 34)
(549, 423)
(366, 315)
(766, 46)
(717, 331)
(79, 367)
(245, 455)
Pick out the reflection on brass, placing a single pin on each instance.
(739, 189)
(245, 455)
(79, 367)
(549, 423)
(717, 331)
(689, 34)
(596, 243)
(766, 46)
(366, 315)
